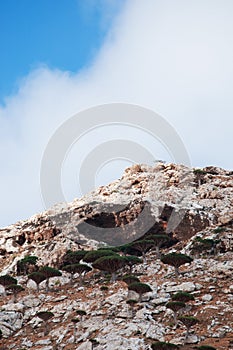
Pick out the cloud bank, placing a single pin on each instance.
(174, 57)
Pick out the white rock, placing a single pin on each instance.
(14, 307)
(192, 339)
(28, 343)
(155, 331)
(184, 287)
(10, 321)
(6, 330)
(198, 286)
(43, 342)
(60, 298)
(2, 290)
(129, 329)
(225, 267)
(116, 298)
(178, 341)
(85, 346)
(31, 301)
(159, 301)
(207, 297)
(59, 333)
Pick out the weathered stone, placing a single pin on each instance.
(85, 346)
(184, 287)
(192, 339)
(159, 301)
(30, 301)
(207, 297)
(43, 342)
(17, 307)
(154, 191)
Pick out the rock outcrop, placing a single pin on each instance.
(189, 205)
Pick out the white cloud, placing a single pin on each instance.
(174, 57)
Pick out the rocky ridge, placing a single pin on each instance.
(203, 196)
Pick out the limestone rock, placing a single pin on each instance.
(204, 197)
(184, 287)
(207, 297)
(43, 342)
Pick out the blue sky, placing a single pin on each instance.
(63, 34)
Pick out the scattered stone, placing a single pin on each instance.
(207, 297)
(43, 342)
(184, 287)
(192, 339)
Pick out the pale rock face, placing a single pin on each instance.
(205, 202)
(192, 339)
(178, 340)
(159, 301)
(10, 321)
(183, 287)
(27, 343)
(225, 267)
(43, 342)
(115, 341)
(18, 307)
(155, 331)
(116, 298)
(85, 346)
(208, 200)
(29, 301)
(207, 297)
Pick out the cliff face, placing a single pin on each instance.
(165, 199)
(141, 202)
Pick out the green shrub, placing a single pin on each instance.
(182, 296)
(201, 245)
(49, 272)
(199, 171)
(77, 268)
(71, 257)
(129, 279)
(110, 264)
(131, 261)
(81, 313)
(7, 280)
(45, 316)
(163, 346)
(158, 240)
(15, 289)
(104, 288)
(113, 249)
(143, 246)
(219, 229)
(175, 306)
(37, 277)
(176, 260)
(93, 255)
(189, 322)
(127, 249)
(23, 265)
(140, 288)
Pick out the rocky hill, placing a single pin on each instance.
(193, 208)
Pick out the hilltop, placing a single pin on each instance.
(192, 207)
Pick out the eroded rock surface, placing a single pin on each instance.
(145, 200)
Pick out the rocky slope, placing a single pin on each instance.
(168, 199)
